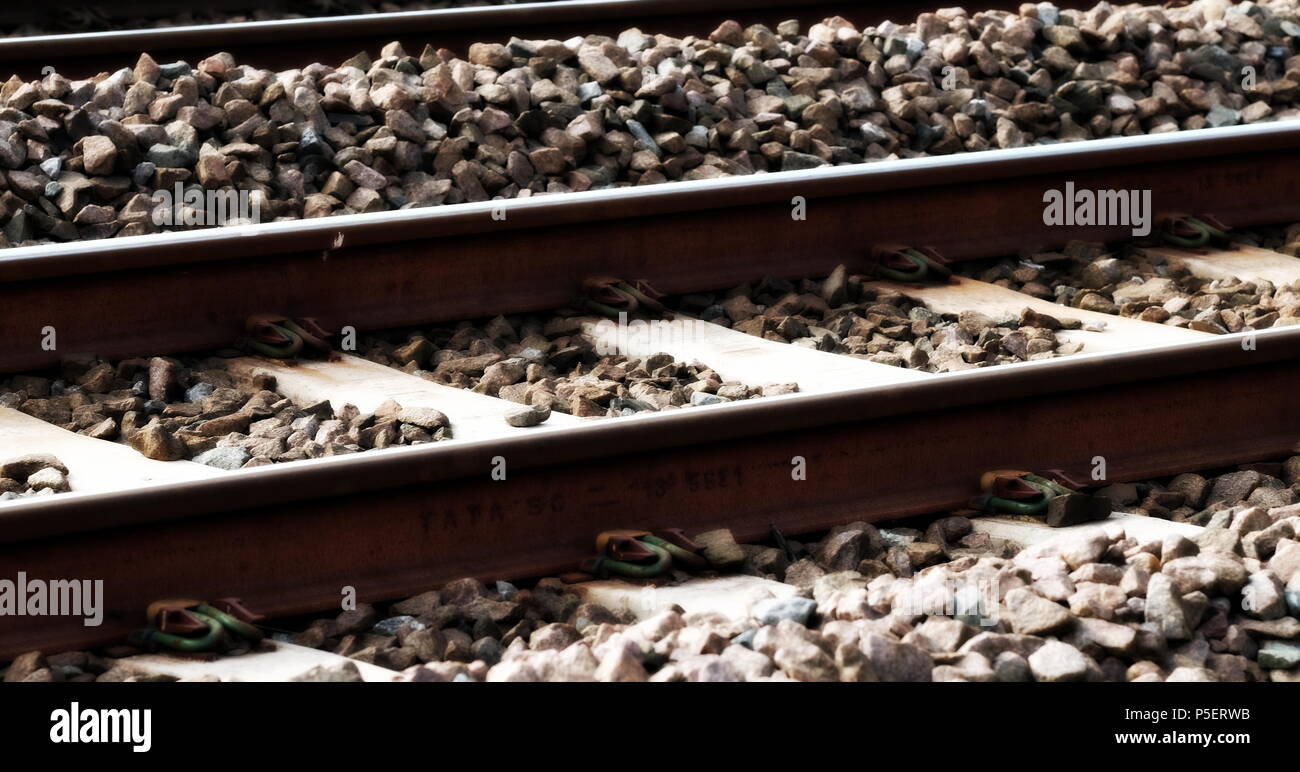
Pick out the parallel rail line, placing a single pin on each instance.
(392, 523)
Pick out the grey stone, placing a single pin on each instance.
(589, 91)
(704, 398)
(533, 415)
(1278, 655)
(168, 157)
(198, 391)
(1164, 609)
(1010, 667)
(391, 625)
(225, 457)
(1233, 487)
(772, 610)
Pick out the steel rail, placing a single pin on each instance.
(123, 297)
(297, 42)
(389, 523)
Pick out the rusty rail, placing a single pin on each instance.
(289, 538)
(121, 297)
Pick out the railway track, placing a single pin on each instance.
(495, 500)
(436, 512)
(734, 352)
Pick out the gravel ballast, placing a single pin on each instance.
(1213, 497)
(171, 409)
(548, 362)
(1131, 281)
(83, 159)
(842, 315)
(32, 474)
